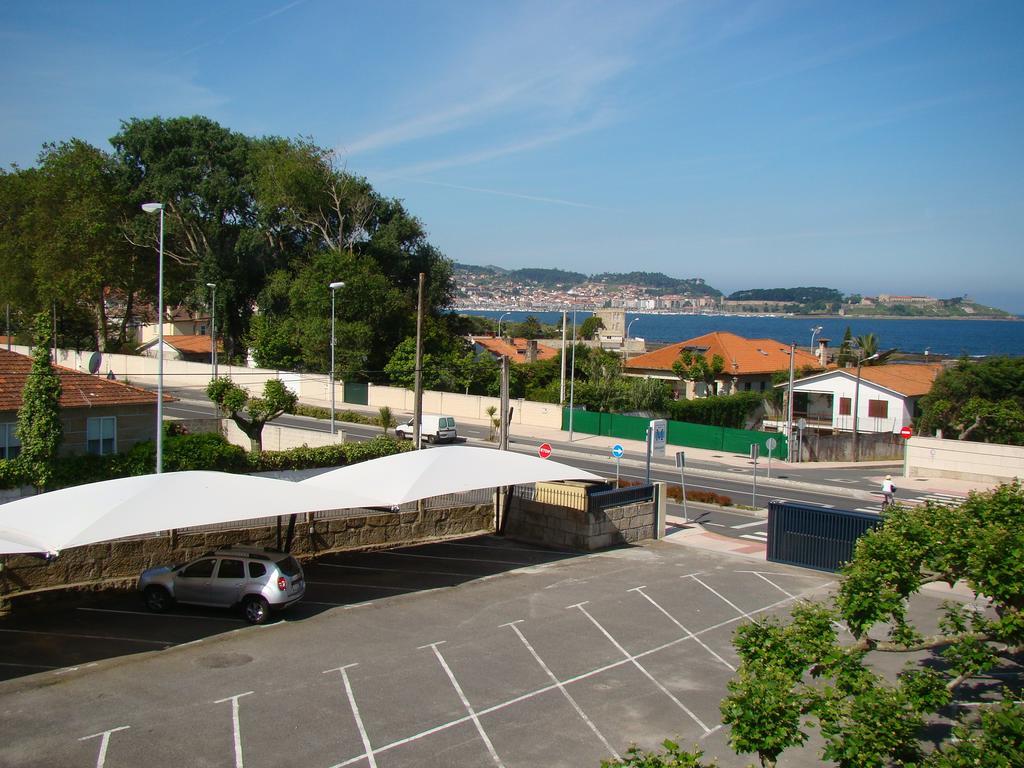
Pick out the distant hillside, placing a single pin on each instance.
(789, 295)
(656, 282)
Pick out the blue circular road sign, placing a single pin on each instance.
(617, 451)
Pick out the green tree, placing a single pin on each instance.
(867, 345)
(674, 756)
(39, 426)
(251, 414)
(845, 356)
(590, 327)
(981, 401)
(695, 367)
(530, 328)
(796, 675)
(385, 418)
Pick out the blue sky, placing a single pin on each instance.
(869, 146)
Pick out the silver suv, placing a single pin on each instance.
(256, 579)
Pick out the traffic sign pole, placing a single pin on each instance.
(617, 452)
(755, 449)
(681, 463)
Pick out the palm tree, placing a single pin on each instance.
(384, 418)
(490, 411)
(868, 346)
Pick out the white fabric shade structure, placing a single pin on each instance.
(112, 509)
(403, 477)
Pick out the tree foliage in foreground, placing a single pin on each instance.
(798, 675)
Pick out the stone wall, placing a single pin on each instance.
(119, 563)
(536, 522)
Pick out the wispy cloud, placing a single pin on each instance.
(824, 234)
(517, 195)
(491, 153)
(229, 32)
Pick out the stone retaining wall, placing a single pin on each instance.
(536, 522)
(119, 563)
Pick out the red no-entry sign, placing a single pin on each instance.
(906, 432)
(544, 451)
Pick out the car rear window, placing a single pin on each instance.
(289, 566)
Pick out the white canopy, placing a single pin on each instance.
(130, 506)
(403, 477)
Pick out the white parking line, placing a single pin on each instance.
(575, 679)
(104, 741)
(396, 570)
(465, 701)
(86, 637)
(749, 525)
(640, 591)
(235, 725)
(368, 750)
(640, 667)
(562, 688)
(723, 598)
(762, 538)
(457, 559)
(356, 586)
(164, 615)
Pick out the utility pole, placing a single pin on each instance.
(417, 413)
(561, 388)
(572, 373)
(789, 404)
(503, 439)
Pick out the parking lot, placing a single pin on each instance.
(469, 653)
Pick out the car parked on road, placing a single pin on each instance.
(433, 429)
(256, 579)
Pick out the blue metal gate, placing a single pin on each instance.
(812, 536)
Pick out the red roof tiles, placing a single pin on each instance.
(78, 390)
(742, 356)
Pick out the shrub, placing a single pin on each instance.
(720, 411)
(353, 417)
(675, 493)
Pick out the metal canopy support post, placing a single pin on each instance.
(503, 436)
(648, 474)
(681, 463)
(755, 451)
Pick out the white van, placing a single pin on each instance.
(433, 429)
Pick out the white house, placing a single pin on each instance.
(885, 395)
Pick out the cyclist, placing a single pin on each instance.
(888, 492)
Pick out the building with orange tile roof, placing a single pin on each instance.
(99, 415)
(516, 350)
(749, 363)
(886, 396)
(183, 347)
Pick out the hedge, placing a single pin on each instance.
(199, 452)
(717, 410)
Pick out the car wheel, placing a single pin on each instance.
(157, 599)
(431, 439)
(256, 609)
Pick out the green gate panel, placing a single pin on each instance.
(688, 435)
(740, 440)
(356, 393)
(587, 422)
(627, 427)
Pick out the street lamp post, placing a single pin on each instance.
(153, 208)
(856, 404)
(572, 374)
(499, 322)
(625, 351)
(213, 328)
(814, 332)
(333, 287)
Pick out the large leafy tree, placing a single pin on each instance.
(39, 426)
(201, 172)
(797, 675)
(981, 401)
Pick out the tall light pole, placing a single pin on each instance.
(153, 208)
(333, 287)
(499, 322)
(572, 373)
(856, 403)
(789, 404)
(213, 328)
(814, 332)
(625, 351)
(561, 386)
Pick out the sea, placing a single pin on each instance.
(955, 338)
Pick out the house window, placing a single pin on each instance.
(746, 386)
(10, 445)
(878, 409)
(845, 406)
(100, 435)
(762, 386)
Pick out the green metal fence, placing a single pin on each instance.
(680, 433)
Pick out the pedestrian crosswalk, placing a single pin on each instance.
(946, 499)
(759, 536)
